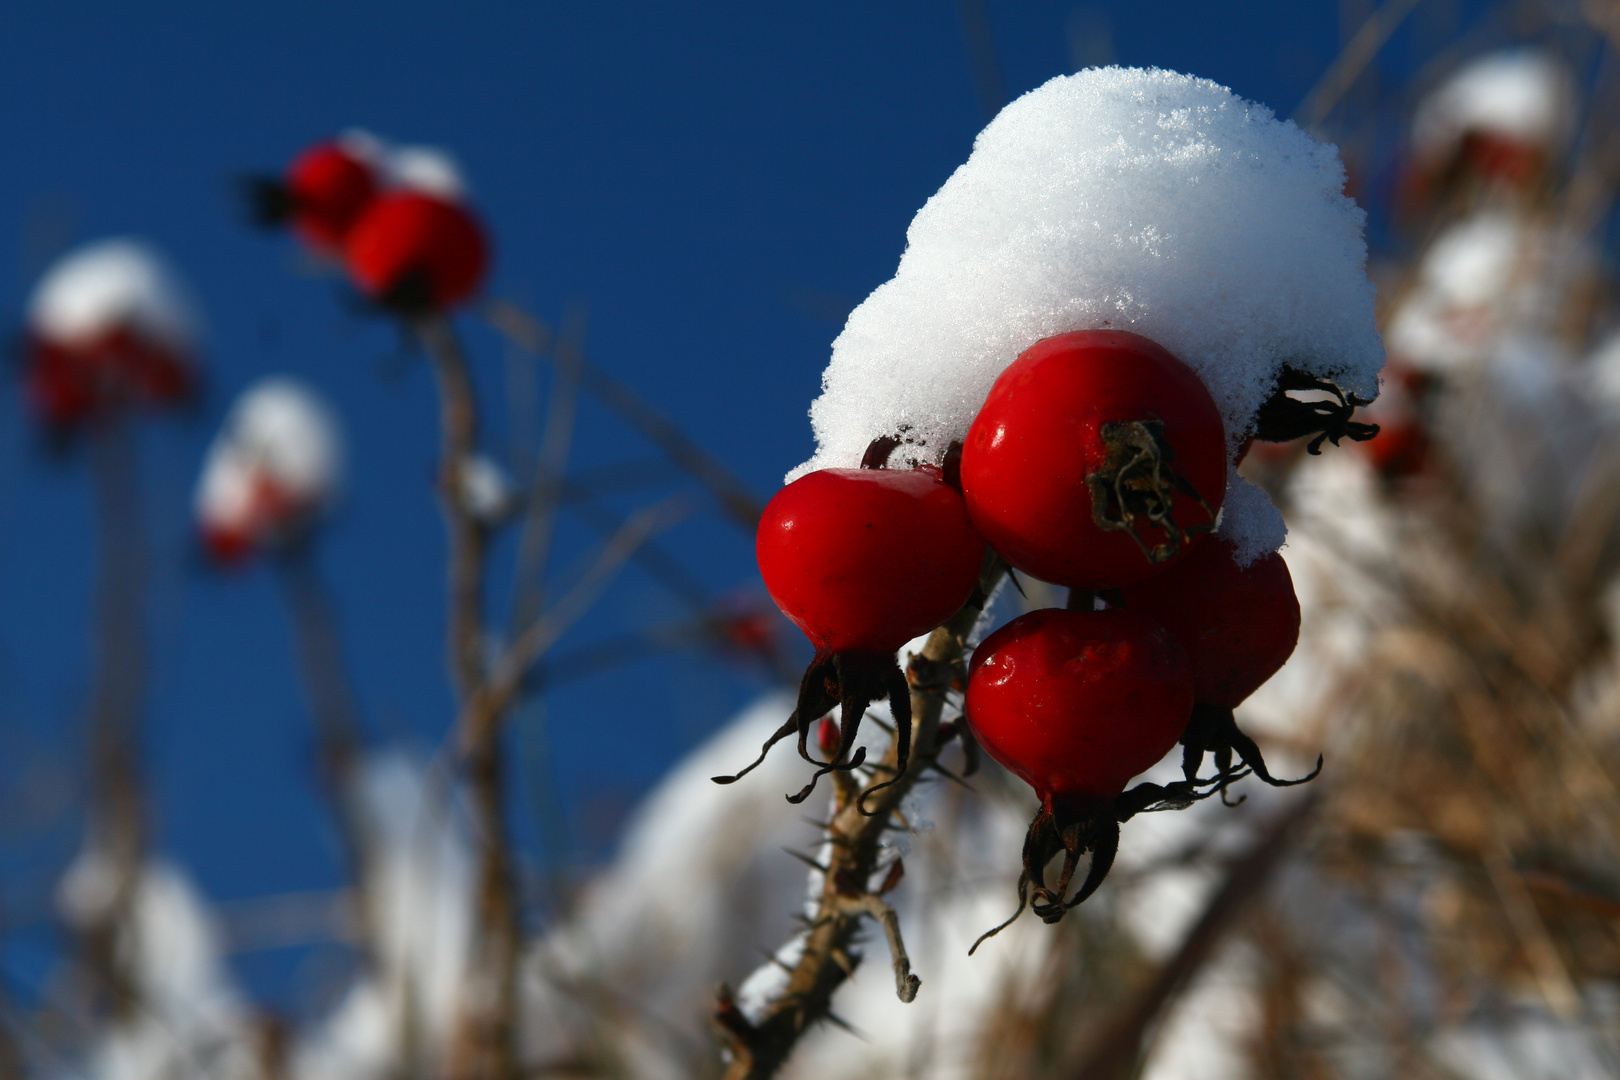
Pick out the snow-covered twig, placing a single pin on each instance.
(757, 1045)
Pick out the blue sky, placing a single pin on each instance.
(706, 181)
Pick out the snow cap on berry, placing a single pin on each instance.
(1130, 199)
(111, 286)
(276, 464)
(427, 170)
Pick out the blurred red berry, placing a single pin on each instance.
(416, 252)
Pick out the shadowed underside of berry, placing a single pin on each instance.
(1238, 625)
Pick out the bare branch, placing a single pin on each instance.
(905, 983)
(332, 704)
(1347, 67)
(458, 413)
(117, 824)
(530, 333)
(481, 714)
(547, 490)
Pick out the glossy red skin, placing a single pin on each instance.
(1238, 624)
(1027, 455)
(330, 188)
(69, 383)
(864, 560)
(408, 231)
(1078, 702)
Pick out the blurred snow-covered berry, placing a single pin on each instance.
(1502, 119)
(275, 466)
(110, 324)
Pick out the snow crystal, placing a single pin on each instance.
(1250, 521)
(1134, 199)
(110, 285)
(1521, 94)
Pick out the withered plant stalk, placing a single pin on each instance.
(116, 832)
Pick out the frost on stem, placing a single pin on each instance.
(1136, 487)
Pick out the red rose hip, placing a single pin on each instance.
(863, 560)
(1097, 459)
(1239, 625)
(416, 252)
(321, 196)
(1076, 703)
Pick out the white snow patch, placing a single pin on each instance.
(426, 169)
(1250, 521)
(418, 900)
(191, 1016)
(486, 490)
(1133, 199)
(112, 285)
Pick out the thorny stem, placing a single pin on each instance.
(487, 1045)
(117, 823)
(757, 1049)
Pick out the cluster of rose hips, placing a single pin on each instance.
(401, 232)
(108, 328)
(1098, 462)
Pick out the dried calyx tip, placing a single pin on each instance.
(1283, 419)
